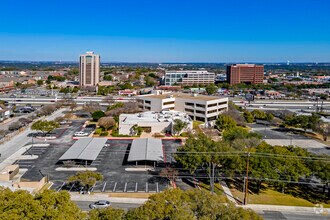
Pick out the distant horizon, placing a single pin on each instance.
(209, 31)
(252, 62)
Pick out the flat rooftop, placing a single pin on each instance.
(184, 95)
(154, 117)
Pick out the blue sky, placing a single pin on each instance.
(166, 30)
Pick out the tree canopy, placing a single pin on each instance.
(45, 126)
(86, 178)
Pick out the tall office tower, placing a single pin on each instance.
(89, 70)
(245, 73)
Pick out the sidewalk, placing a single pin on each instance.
(96, 197)
(17, 142)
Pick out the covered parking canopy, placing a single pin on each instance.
(146, 149)
(85, 149)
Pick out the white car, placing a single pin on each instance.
(80, 134)
(99, 204)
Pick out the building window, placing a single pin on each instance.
(168, 103)
(200, 119)
(212, 118)
(200, 112)
(189, 110)
(222, 103)
(189, 104)
(212, 105)
(147, 102)
(199, 105)
(212, 111)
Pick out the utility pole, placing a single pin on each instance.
(246, 179)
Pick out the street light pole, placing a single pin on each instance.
(246, 179)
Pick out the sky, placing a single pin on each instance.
(166, 30)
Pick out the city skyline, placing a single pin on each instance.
(128, 31)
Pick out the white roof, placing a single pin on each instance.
(84, 149)
(146, 149)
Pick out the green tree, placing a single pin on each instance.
(190, 204)
(269, 117)
(106, 214)
(258, 114)
(178, 126)
(323, 128)
(211, 89)
(45, 126)
(209, 156)
(86, 178)
(248, 117)
(97, 115)
(238, 133)
(225, 122)
(107, 77)
(40, 82)
(46, 205)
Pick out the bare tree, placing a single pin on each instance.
(169, 173)
(91, 107)
(106, 122)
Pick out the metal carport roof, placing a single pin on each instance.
(84, 149)
(142, 149)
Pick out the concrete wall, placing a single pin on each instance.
(37, 185)
(9, 172)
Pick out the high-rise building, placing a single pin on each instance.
(245, 73)
(189, 77)
(89, 69)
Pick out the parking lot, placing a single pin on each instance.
(111, 162)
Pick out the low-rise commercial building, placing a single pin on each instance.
(152, 122)
(199, 107)
(189, 77)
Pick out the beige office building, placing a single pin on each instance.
(199, 107)
(89, 69)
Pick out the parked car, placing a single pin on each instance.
(99, 204)
(80, 134)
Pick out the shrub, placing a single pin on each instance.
(98, 131)
(104, 133)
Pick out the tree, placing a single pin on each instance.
(248, 117)
(45, 126)
(15, 126)
(92, 107)
(178, 126)
(106, 122)
(106, 214)
(211, 89)
(190, 204)
(40, 82)
(47, 110)
(107, 77)
(269, 117)
(170, 173)
(46, 205)
(238, 133)
(225, 122)
(258, 114)
(209, 157)
(97, 115)
(323, 128)
(86, 178)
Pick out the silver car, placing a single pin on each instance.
(100, 204)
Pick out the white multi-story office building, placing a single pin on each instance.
(199, 107)
(89, 69)
(189, 77)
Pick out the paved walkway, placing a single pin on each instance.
(10, 147)
(96, 197)
(227, 192)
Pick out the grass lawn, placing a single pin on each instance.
(272, 197)
(196, 125)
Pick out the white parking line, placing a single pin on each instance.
(157, 190)
(61, 187)
(114, 187)
(104, 185)
(71, 187)
(146, 186)
(125, 186)
(136, 184)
